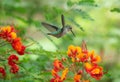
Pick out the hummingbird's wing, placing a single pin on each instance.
(50, 27)
(62, 19)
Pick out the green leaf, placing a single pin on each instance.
(87, 3)
(83, 14)
(48, 16)
(108, 74)
(70, 3)
(115, 10)
(57, 10)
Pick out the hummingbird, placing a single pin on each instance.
(58, 32)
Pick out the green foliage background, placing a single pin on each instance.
(95, 21)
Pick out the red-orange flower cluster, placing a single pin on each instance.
(77, 54)
(90, 59)
(94, 70)
(14, 69)
(2, 71)
(77, 77)
(8, 33)
(79, 61)
(17, 45)
(94, 58)
(58, 66)
(12, 61)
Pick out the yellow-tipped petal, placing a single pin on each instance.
(13, 35)
(64, 73)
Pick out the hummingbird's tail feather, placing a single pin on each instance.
(57, 36)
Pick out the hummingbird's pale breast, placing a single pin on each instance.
(62, 32)
(65, 31)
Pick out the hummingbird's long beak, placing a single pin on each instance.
(73, 33)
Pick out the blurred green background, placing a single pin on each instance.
(95, 21)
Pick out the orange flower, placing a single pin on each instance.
(94, 58)
(13, 35)
(77, 54)
(57, 79)
(97, 72)
(88, 67)
(89, 60)
(57, 65)
(8, 33)
(17, 45)
(22, 50)
(54, 73)
(77, 78)
(94, 70)
(64, 73)
(73, 51)
(82, 57)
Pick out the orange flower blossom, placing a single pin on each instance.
(17, 45)
(8, 33)
(83, 62)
